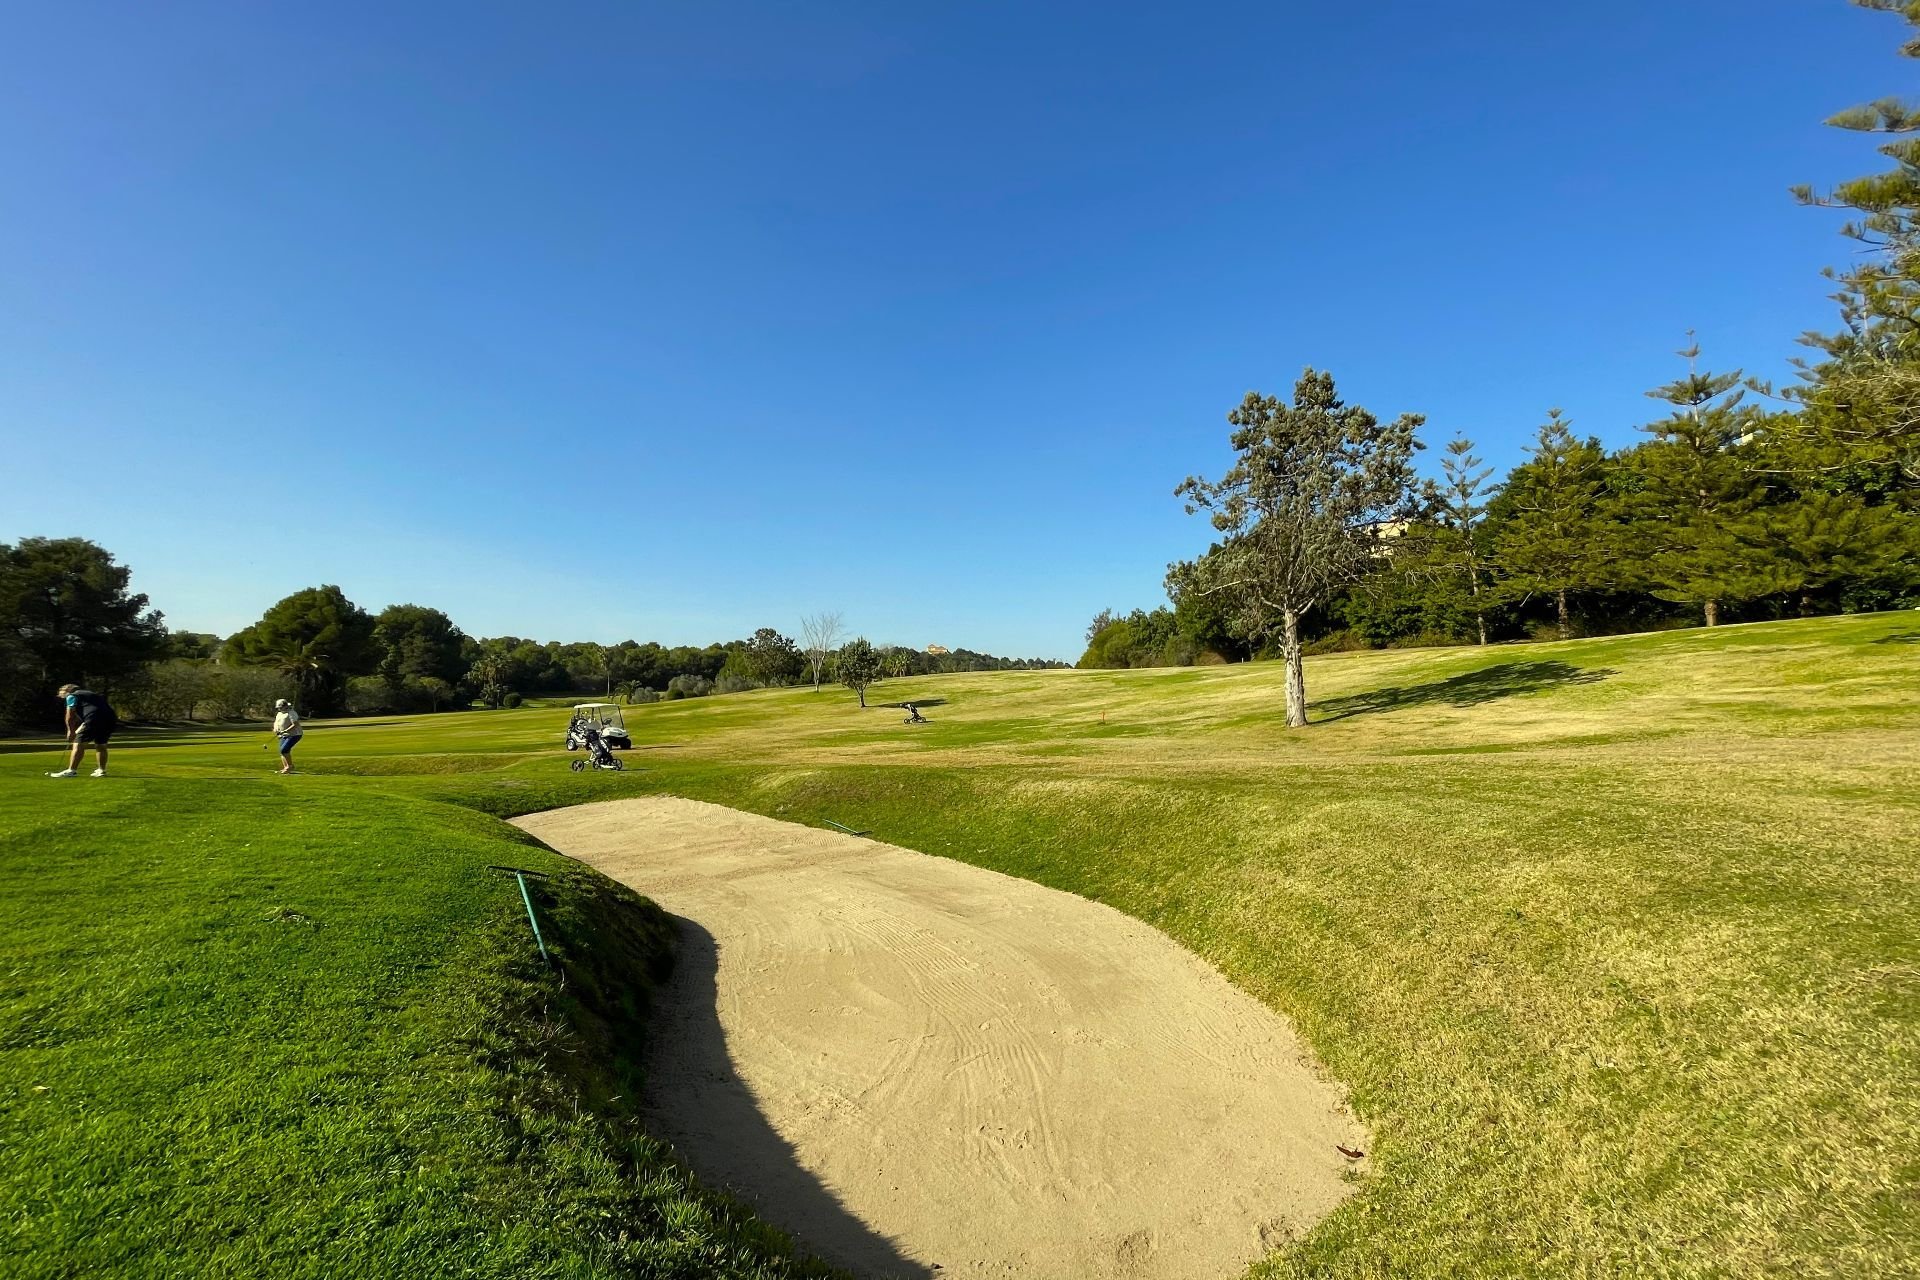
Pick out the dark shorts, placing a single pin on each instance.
(288, 741)
(95, 729)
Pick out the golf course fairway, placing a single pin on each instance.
(1609, 943)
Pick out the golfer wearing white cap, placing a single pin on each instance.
(286, 727)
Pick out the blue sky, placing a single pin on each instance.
(596, 321)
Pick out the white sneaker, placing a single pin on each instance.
(98, 773)
(64, 773)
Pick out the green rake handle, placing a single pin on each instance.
(520, 874)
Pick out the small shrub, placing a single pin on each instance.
(1428, 640)
(1547, 631)
(512, 700)
(1344, 641)
(731, 683)
(689, 686)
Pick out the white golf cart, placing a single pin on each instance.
(603, 717)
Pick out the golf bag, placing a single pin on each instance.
(599, 755)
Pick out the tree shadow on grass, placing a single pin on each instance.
(50, 746)
(696, 1100)
(1507, 680)
(135, 736)
(1904, 637)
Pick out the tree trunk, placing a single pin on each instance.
(1479, 618)
(1712, 611)
(862, 691)
(1560, 613)
(1296, 671)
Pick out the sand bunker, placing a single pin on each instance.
(922, 1068)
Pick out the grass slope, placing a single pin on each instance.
(1611, 939)
(251, 1031)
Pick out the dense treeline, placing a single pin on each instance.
(66, 614)
(1732, 506)
(1724, 513)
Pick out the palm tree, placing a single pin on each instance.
(310, 670)
(489, 672)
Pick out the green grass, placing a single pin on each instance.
(1612, 939)
(252, 1031)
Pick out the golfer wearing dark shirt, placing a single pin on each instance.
(89, 720)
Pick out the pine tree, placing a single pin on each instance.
(1697, 527)
(66, 614)
(1863, 399)
(1458, 505)
(1313, 482)
(1818, 540)
(317, 638)
(1555, 539)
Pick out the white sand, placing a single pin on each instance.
(922, 1068)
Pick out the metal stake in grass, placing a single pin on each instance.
(521, 874)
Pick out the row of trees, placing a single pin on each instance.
(859, 664)
(66, 613)
(1723, 512)
(1728, 507)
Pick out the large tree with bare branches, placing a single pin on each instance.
(1302, 511)
(819, 634)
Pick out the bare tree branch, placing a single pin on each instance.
(820, 635)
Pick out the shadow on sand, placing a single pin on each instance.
(1469, 690)
(695, 1100)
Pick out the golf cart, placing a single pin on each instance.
(603, 718)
